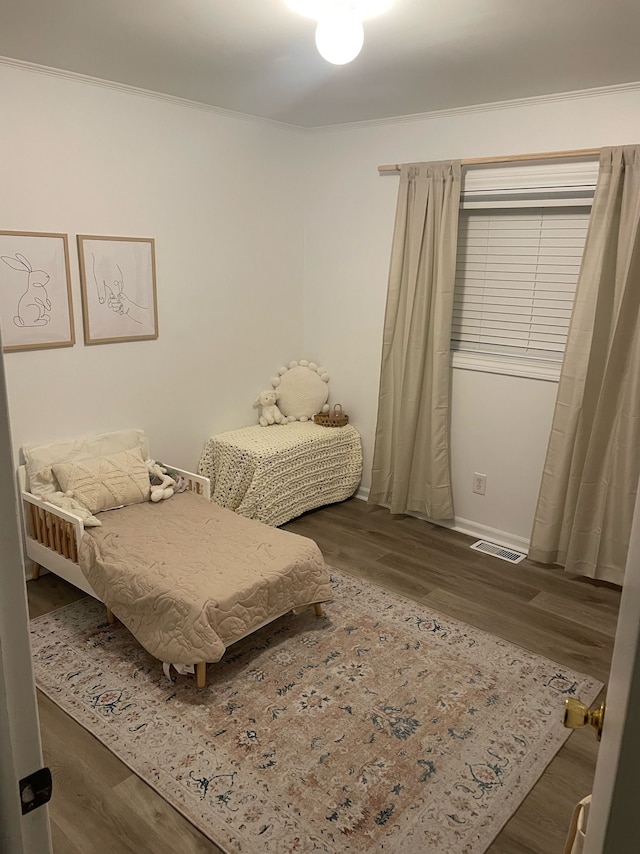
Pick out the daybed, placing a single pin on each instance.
(188, 578)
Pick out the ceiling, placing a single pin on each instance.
(258, 57)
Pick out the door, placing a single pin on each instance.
(20, 747)
(614, 819)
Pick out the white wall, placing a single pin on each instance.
(220, 195)
(500, 424)
(235, 239)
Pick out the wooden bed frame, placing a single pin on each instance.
(53, 535)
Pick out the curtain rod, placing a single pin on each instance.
(510, 158)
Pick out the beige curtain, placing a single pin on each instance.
(411, 469)
(588, 491)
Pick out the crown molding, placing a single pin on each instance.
(575, 95)
(75, 76)
(125, 88)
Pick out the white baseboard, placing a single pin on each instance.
(470, 528)
(484, 532)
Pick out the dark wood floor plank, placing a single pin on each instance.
(96, 813)
(467, 581)
(602, 618)
(61, 842)
(51, 594)
(360, 519)
(161, 819)
(587, 651)
(570, 620)
(83, 805)
(540, 825)
(61, 732)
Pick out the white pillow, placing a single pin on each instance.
(302, 390)
(39, 458)
(102, 483)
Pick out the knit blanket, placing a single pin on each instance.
(276, 473)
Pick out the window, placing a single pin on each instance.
(516, 277)
(521, 237)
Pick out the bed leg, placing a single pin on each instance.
(111, 616)
(201, 674)
(318, 610)
(35, 570)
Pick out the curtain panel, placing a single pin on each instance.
(588, 491)
(411, 466)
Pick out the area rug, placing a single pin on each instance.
(381, 726)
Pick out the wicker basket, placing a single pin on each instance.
(334, 418)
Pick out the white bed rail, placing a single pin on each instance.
(196, 483)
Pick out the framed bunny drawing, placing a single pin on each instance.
(118, 281)
(35, 291)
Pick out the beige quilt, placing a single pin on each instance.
(188, 578)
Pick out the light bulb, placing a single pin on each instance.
(339, 37)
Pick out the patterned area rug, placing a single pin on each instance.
(381, 726)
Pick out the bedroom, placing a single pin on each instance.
(248, 266)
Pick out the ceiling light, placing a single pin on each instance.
(339, 34)
(339, 37)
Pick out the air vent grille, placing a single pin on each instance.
(498, 551)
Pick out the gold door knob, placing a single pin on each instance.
(577, 715)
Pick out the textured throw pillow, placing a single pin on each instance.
(302, 390)
(102, 483)
(40, 458)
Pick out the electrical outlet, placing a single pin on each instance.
(479, 483)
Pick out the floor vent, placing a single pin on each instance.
(498, 551)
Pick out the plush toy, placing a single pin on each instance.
(161, 484)
(269, 413)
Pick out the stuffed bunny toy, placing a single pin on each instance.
(161, 484)
(269, 413)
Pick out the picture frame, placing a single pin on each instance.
(118, 285)
(36, 308)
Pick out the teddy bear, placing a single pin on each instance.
(269, 413)
(161, 484)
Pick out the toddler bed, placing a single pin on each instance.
(188, 578)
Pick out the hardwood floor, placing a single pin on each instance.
(100, 807)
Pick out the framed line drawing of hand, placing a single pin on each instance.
(118, 283)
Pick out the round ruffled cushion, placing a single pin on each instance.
(302, 390)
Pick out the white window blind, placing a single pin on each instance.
(516, 277)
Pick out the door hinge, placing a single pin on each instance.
(35, 790)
